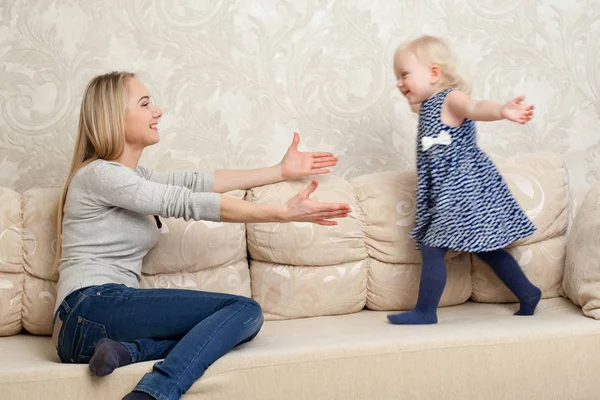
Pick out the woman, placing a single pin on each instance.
(108, 219)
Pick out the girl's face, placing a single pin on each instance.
(142, 116)
(416, 81)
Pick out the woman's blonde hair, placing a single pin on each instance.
(101, 132)
(432, 50)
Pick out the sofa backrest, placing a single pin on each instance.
(302, 270)
(297, 270)
(192, 255)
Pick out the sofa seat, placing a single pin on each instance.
(476, 351)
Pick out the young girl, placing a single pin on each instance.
(463, 203)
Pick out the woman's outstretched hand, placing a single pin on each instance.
(296, 164)
(301, 209)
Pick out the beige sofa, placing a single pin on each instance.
(325, 292)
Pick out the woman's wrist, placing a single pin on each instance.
(278, 168)
(283, 213)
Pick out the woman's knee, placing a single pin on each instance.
(250, 311)
(254, 315)
(253, 307)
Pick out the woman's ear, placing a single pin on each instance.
(436, 74)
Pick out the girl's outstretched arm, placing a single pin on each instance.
(461, 106)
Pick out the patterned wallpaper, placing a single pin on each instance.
(236, 78)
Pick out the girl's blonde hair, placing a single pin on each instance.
(432, 50)
(101, 132)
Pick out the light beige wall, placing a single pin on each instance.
(236, 78)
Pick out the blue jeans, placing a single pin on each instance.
(189, 329)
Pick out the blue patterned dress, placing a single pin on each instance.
(462, 201)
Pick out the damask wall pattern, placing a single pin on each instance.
(235, 79)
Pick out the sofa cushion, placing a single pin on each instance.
(193, 255)
(542, 262)
(539, 184)
(11, 262)
(303, 269)
(387, 201)
(39, 252)
(582, 272)
(396, 286)
(476, 350)
(295, 291)
(200, 255)
(384, 205)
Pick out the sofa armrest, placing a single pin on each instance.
(581, 282)
(12, 272)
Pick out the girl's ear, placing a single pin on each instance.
(436, 74)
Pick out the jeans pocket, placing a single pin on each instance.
(107, 290)
(87, 334)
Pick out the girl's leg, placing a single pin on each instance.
(433, 281)
(509, 272)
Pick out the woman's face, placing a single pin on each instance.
(141, 117)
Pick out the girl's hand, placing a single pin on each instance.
(301, 209)
(517, 112)
(296, 164)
